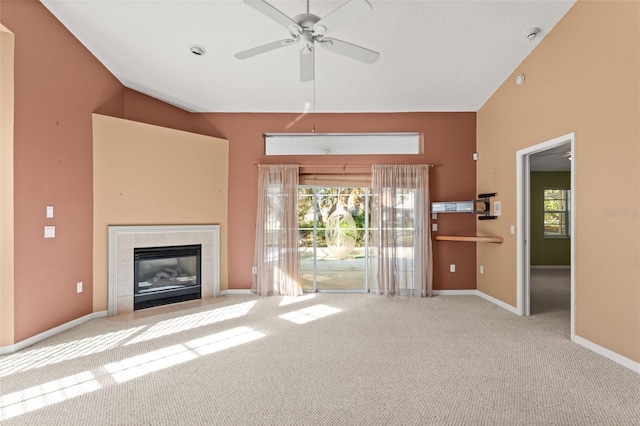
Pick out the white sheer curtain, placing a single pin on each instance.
(401, 262)
(277, 260)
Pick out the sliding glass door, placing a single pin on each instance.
(334, 237)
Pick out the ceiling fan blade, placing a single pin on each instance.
(351, 50)
(307, 64)
(264, 48)
(273, 13)
(342, 15)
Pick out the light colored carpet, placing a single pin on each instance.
(325, 359)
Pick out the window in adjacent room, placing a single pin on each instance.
(557, 209)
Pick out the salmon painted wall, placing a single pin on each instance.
(58, 85)
(449, 142)
(7, 40)
(590, 86)
(144, 109)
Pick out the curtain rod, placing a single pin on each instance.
(344, 166)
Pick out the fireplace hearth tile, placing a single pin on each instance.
(183, 238)
(125, 275)
(121, 267)
(158, 240)
(207, 238)
(207, 250)
(124, 256)
(126, 241)
(142, 240)
(125, 304)
(170, 239)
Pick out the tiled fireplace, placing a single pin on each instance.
(123, 240)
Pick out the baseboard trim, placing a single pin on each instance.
(50, 333)
(235, 292)
(498, 302)
(455, 292)
(550, 266)
(607, 353)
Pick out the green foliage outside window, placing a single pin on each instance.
(557, 209)
(326, 201)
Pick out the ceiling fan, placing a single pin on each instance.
(312, 30)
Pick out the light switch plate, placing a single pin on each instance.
(49, 231)
(434, 227)
(49, 212)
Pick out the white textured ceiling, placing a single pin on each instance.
(434, 55)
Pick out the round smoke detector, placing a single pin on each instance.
(533, 33)
(196, 49)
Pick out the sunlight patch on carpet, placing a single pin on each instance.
(37, 358)
(224, 340)
(288, 300)
(309, 314)
(34, 398)
(141, 365)
(189, 322)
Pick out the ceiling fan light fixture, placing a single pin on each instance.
(197, 50)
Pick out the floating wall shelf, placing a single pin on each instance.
(476, 239)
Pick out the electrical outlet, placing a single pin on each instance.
(434, 227)
(254, 270)
(481, 269)
(513, 229)
(452, 268)
(49, 231)
(79, 287)
(497, 208)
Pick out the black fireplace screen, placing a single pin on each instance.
(165, 275)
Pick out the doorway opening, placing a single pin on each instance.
(558, 214)
(333, 224)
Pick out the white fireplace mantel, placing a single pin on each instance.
(123, 240)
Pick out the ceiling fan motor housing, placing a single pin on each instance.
(306, 22)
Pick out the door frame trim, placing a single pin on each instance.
(523, 194)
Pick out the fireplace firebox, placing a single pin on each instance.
(164, 275)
